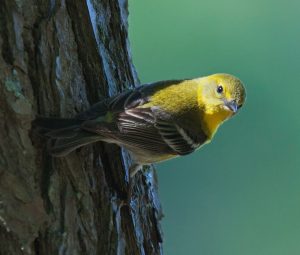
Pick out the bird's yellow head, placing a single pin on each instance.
(221, 92)
(220, 96)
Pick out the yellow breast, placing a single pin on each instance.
(212, 121)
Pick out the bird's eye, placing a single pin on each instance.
(220, 89)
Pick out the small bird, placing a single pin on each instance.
(154, 122)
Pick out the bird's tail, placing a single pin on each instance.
(65, 135)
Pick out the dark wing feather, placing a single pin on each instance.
(126, 100)
(141, 128)
(177, 137)
(136, 128)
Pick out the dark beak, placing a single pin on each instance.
(232, 105)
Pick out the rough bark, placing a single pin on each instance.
(57, 57)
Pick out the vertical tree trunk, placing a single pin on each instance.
(57, 57)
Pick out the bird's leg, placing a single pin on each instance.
(134, 168)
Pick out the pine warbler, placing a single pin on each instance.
(155, 122)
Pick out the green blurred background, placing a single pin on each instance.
(239, 195)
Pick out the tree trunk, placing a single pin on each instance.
(57, 57)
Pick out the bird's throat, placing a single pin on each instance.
(213, 119)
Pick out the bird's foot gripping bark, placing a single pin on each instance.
(134, 168)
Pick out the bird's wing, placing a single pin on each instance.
(136, 125)
(143, 128)
(153, 127)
